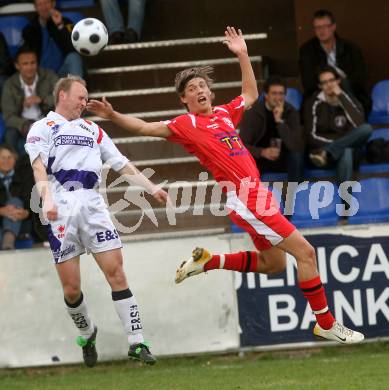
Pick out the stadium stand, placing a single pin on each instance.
(294, 97)
(373, 201)
(2, 128)
(11, 27)
(68, 4)
(380, 96)
(306, 203)
(73, 16)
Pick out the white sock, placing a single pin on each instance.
(127, 309)
(79, 314)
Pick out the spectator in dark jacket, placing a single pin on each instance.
(14, 199)
(49, 34)
(27, 96)
(271, 131)
(335, 123)
(327, 48)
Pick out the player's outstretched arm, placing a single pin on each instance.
(134, 125)
(137, 178)
(236, 43)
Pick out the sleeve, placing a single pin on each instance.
(235, 109)
(182, 128)
(110, 154)
(38, 142)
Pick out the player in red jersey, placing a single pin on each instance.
(210, 134)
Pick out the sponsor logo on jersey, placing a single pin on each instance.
(228, 122)
(213, 126)
(33, 139)
(55, 129)
(86, 127)
(50, 123)
(61, 231)
(78, 140)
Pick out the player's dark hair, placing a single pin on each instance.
(183, 77)
(24, 50)
(274, 80)
(327, 69)
(64, 84)
(324, 13)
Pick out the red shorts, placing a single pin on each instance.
(258, 213)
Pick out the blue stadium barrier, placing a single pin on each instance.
(306, 202)
(274, 176)
(316, 173)
(11, 27)
(373, 201)
(294, 97)
(66, 4)
(24, 244)
(376, 168)
(73, 16)
(380, 96)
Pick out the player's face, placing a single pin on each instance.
(197, 96)
(44, 8)
(275, 96)
(324, 29)
(27, 66)
(75, 100)
(7, 161)
(328, 82)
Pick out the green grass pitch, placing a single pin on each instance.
(359, 367)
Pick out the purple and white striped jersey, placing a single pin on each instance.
(73, 152)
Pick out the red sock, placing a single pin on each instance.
(241, 261)
(313, 291)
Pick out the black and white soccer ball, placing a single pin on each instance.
(89, 36)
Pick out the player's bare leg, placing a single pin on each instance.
(270, 261)
(309, 280)
(69, 275)
(111, 263)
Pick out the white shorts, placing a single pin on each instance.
(83, 224)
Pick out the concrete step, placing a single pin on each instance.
(184, 221)
(151, 148)
(162, 74)
(167, 169)
(154, 52)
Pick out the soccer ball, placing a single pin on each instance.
(89, 36)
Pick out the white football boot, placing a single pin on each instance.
(338, 333)
(193, 266)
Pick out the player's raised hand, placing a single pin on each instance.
(102, 108)
(50, 211)
(162, 197)
(235, 41)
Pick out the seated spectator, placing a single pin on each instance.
(334, 120)
(49, 35)
(327, 48)
(14, 202)
(6, 64)
(271, 131)
(115, 23)
(27, 96)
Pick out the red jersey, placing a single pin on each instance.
(213, 139)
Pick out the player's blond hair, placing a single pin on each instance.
(183, 77)
(64, 84)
